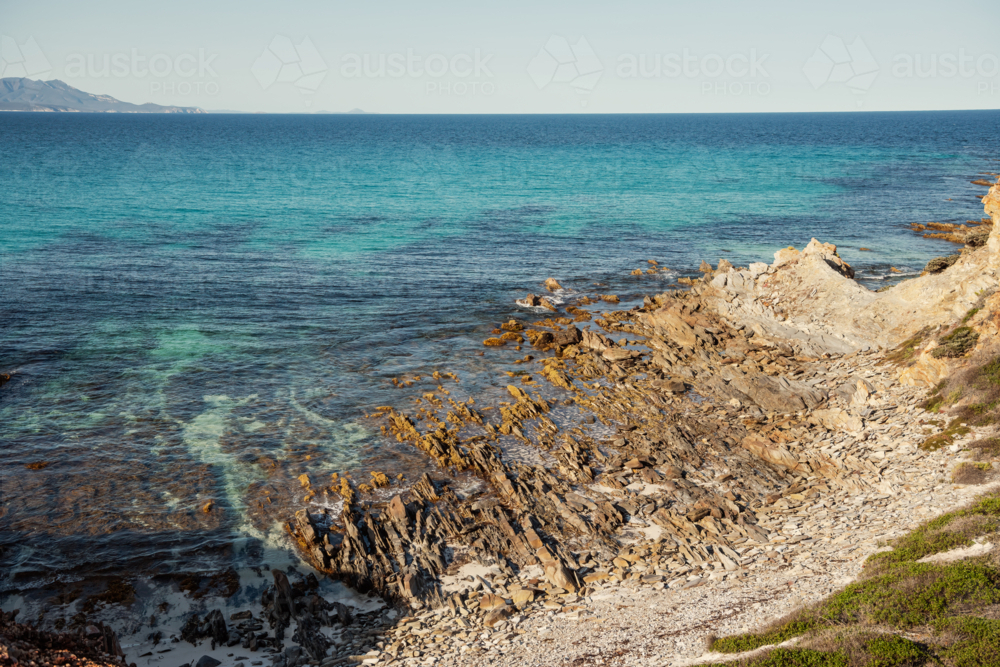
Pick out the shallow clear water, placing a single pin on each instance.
(202, 308)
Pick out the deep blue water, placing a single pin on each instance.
(193, 305)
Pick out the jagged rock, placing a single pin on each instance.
(939, 264)
(594, 341)
(522, 597)
(828, 252)
(836, 419)
(396, 509)
(284, 603)
(412, 585)
(557, 575)
(779, 394)
(551, 284)
(568, 336)
(343, 614)
(669, 323)
(620, 354)
(215, 627)
(767, 450)
(207, 661)
(672, 472)
(490, 601)
(309, 635)
(496, 615)
(542, 339)
(785, 256)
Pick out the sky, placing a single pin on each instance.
(514, 56)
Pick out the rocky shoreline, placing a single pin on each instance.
(768, 427)
(763, 433)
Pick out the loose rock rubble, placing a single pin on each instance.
(23, 644)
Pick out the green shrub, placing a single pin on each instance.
(750, 641)
(932, 537)
(911, 594)
(956, 344)
(975, 641)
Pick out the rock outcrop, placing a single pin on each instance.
(991, 204)
(809, 296)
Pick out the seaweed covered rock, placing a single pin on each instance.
(939, 264)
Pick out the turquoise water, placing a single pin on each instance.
(199, 309)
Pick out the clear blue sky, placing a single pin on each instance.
(533, 57)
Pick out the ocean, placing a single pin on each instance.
(198, 309)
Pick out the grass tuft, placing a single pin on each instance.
(971, 473)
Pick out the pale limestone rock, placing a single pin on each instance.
(785, 256)
(828, 252)
(861, 395)
(835, 419)
(670, 323)
(767, 450)
(991, 204)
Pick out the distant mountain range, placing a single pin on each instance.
(19, 94)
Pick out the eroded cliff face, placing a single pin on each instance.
(810, 297)
(991, 204)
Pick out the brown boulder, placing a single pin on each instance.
(497, 615)
(619, 354)
(522, 597)
(671, 472)
(397, 510)
(557, 575)
(568, 336)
